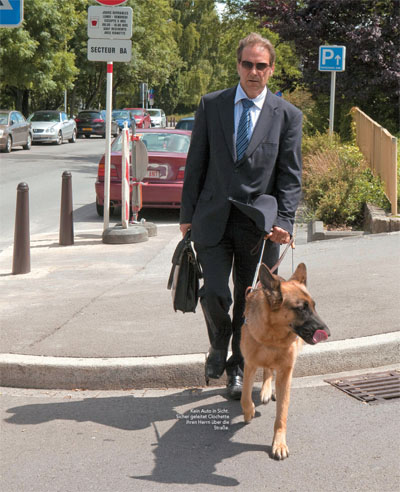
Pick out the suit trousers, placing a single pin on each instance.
(236, 253)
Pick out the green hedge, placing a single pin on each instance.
(337, 182)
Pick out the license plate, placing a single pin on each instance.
(151, 173)
(87, 129)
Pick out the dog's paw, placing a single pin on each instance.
(266, 396)
(249, 412)
(280, 451)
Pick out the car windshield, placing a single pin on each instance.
(3, 118)
(49, 116)
(154, 112)
(121, 114)
(160, 142)
(136, 112)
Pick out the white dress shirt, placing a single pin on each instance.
(254, 111)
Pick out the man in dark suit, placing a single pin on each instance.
(245, 148)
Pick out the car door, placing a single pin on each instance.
(67, 126)
(17, 128)
(25, 127)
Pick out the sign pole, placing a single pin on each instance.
(332, 59)
(332, 103)
(106, 208)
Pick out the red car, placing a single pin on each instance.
(142, 117)
(162, 187)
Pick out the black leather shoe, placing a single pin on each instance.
(235, 386)
(215, 363)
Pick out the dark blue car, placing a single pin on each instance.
(185, 123)
(120, 116)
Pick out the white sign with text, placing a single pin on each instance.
(110, 50)
(109, 23)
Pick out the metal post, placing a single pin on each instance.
(107, 167)
(125, 176)
(66, 236)
(332, 102)
(134, 196)
(22, 253)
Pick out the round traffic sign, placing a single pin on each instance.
(111, 3)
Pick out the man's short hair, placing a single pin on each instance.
(255, 39)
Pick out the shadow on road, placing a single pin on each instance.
(200, 438)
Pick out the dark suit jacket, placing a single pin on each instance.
(271, 164)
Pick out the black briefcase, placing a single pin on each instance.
(185, 276)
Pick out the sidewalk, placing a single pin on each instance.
(99, 316)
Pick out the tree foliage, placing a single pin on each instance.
(185, 48)
(370, 30)
(35, 58)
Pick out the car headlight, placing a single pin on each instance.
(51, 130)
(1, 133)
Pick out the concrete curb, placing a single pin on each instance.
(316, 232)
(38, 372)
(376, 221)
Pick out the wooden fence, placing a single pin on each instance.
(379, 148)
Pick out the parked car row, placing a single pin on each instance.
(55, 127)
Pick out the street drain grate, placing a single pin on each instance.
(372, 388)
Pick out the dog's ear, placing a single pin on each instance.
(272, 287)
(300, 274)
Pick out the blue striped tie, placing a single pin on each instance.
(242, 138)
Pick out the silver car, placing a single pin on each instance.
(52, 126)
(158, 118)
(14, 131)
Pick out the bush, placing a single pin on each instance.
(337, 182)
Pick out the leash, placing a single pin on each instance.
(272, 270)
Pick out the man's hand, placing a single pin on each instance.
(184, 228)
(278, 235)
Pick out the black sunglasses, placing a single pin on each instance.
(259, 66)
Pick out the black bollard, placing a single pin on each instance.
(22, 252)
(66, 237)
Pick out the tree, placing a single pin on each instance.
(198, 39)
(36, 64)
(369, 29)
(155, 58)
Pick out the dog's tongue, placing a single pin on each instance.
(320, 336)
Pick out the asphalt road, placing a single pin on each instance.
(141, 441)
(42, 168)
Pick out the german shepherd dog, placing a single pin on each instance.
(279, 315)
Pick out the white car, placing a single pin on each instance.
(52, 126)
(158, 118)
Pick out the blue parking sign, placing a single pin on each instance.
(332, 58)
(11, 13)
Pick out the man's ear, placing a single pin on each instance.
(300, 274)
(272, 287)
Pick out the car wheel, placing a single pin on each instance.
(28, 144)
(59, 140)
(8, 145)
(99, 209)
(73, 138)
